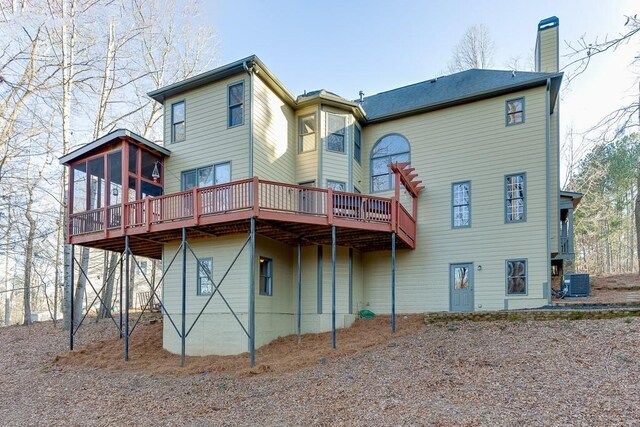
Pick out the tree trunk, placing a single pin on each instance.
(28, 264)
(80, 286)
(107, 294)
(638, 216)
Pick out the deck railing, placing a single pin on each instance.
(247, 195)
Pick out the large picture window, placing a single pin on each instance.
(206, 176)
(236, 104)
(389, 149)
(461, 204)
(178, 122)
(517, 277)
(515, 198)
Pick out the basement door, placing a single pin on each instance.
(461, 285)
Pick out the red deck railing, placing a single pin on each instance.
(274, 200)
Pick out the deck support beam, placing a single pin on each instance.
(393, 281)
(299, 292)
(71, 302)
(333, 286)
(126, 298)
(183, 335)
(252, 293)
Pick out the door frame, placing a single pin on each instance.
(471, 282)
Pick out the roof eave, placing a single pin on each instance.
(473, 97)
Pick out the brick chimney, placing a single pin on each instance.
(547, 45)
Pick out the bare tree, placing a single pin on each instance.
(475, 50)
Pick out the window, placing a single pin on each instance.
(515, 195)
(307, 133)
(336, 185)
(461, 204)
(357, 144)
(178, 128)
(335, 138)
(515, 111)
(389, 149)
(517, 277)
(205, 271)
(236, 104)
(266, 276)
(206, 176)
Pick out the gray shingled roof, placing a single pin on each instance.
(450, 90)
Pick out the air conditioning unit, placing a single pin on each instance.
(576, 285)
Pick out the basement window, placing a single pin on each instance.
(515, 111)
(516, 277)
(266, 276)
(205, 269)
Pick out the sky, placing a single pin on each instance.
(374, 46)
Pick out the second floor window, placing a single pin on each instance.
(335, 136)
(515, 111)
(178, 126)
(516, 198)
(236, 104)
(389, 149)
(461, 193)
(206, 176)
(357, 144)
(307, 133)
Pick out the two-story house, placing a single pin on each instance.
(276, 214)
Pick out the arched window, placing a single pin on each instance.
(389, 149)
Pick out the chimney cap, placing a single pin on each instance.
(548, 23)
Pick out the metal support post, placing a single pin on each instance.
(120, 308)
(71, 302)
(299, 292)
(333, 286)
(183, 333)
(252, 294)
(126, 299)
(393, 281)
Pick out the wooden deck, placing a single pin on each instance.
(288, 213)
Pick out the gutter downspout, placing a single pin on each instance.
(548, 185)
(250, 70)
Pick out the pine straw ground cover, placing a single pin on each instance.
(556, 372)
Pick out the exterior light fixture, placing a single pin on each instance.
(156, 172)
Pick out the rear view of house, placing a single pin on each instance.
(277, 214)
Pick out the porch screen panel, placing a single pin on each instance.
(79, 187)
(96, 183)
(114, 164)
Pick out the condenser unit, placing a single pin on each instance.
(576, 285)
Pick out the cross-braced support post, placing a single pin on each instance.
(183, 334)
(393, 282)
(126, 299)
(333, 286)
(252, 294)
(299, 292)
(71, 302)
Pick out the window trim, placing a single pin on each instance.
(173, 134)
(199, 279)
(526, 277)
(229, 106)
(506, 110)
(344, 134)
(524, 198)
(269, 261)
(315, 133)
(356, 129)
(371, 159)
(213, 165)
(453, 205)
